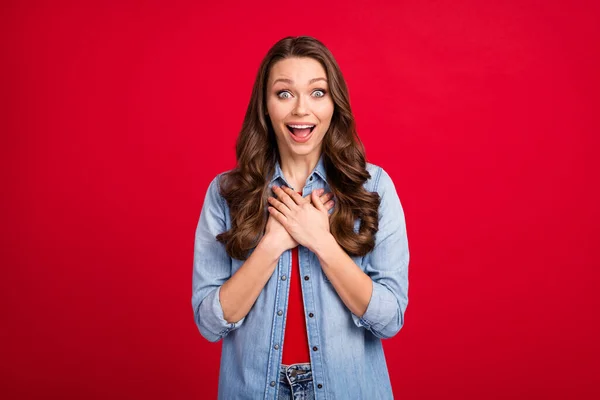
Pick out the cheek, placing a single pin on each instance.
(276, 110)
(325, 119)
(325, 113)
(271, 105)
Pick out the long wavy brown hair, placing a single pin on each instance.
(246, 187)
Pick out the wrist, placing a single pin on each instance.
(327, 241)
(269, 247)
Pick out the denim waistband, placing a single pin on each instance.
(295, 373)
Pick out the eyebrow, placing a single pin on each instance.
(291, 81)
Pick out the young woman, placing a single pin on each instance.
(301, 254)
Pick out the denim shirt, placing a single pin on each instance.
(346, 353)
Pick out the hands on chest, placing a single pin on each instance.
(295, 220)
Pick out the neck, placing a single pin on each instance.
(296, 169)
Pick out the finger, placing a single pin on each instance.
(319, 192)
(317, 202)
(309, 198)
(278, 205)
(326, 197)
(329, 205)
(293, 195)
(283, 196)
(277, 215)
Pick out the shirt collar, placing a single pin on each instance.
(318, 170)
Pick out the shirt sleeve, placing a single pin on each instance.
(387, 265)
(212, 268)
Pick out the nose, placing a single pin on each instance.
(301, 107)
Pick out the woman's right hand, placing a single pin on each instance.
(276, 234)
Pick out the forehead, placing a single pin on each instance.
(299, 70)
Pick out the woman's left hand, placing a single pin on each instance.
(306, 220)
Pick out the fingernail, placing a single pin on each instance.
(321, 191)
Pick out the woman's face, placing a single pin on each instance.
(298, 99)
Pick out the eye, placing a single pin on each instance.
(321, 91)
(281, 92)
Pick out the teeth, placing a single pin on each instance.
(301, 126)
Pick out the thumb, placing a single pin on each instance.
(317, 201)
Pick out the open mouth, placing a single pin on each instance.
(301, 131)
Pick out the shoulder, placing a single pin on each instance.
(220, 175)
(391, 210)
(218, 178)
(214, 189)
(380, 181)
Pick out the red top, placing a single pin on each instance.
(295, 341)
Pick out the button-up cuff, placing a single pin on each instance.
(210, 319)
(383, 316)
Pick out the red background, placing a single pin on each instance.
(116, 115)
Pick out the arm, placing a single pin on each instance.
(352, 285)
(221, 301)
(240, 292)
(379, 296)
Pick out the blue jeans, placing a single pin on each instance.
(295, 382)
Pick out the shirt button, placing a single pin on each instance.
(311, 315)
(319, 386)
(306, 277)
(315, 348)
(279, 312)
(272, 383)
(276, 347)
(283, 278)
(311, 177)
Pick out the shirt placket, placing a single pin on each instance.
(278, 328)
(311, 313)
(281, 304)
